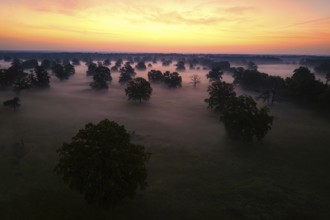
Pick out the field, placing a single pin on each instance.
(195, 171)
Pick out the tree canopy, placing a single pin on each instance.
(126, 73)
(138, 89)
(102, 164)
(244, 121)
(101, 77)
(219, 95)
(172, 80)
(155, 76)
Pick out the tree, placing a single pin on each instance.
(91, 69)
(12, 103)
(102, 164)
(42, 77)
(101, 77)
(155, 76)
(195, 79)
(138, 89)
(141, 66)
(215, 73)
(75, 62)
(327, 78)
(46, 64)
(244, 121)
(22, 84)
(126, 73)
(106, 62)
(220, 94)
(303, 87)
(172, 80)
(58, 70)
(69, 69)
(180, 66)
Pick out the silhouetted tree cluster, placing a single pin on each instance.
(102, 164)
(107, 62)
(63, 72)
(219, 95)
(303, 87)
(255, 80)
(172, 80)
(101, 77)
(127, 73)
(155, 76)
(244, 121)
(166, 62)
(180, 66)
(91, 69)
(215, 73)
(138, 89)
(30, 64)
(141, 66)
(75, 62)
(240, 115)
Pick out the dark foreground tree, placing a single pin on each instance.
(220, 93)
(102, 164)
(12, 103)
(138, 89)
(244, 121)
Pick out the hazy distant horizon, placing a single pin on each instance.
(180, 53)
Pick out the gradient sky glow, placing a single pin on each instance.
(219, 26)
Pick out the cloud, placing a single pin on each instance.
(69, 29)
(188, 18)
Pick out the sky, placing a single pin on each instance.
(180, 26)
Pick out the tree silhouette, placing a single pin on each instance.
(22, 84)
(220, 93)
(141, 66)
(101, 77)
(12, 103)
(180, 66)
(102, 164)
(155, 76)
(91, 69)
(215, 73)
(195, 79)
(42, 77)
(244, 121)
(138, 89)
(126, 73)
(172, 80)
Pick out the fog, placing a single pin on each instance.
(193, 166)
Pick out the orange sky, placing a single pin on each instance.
(218, 26)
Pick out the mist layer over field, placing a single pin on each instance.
(195, 171)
